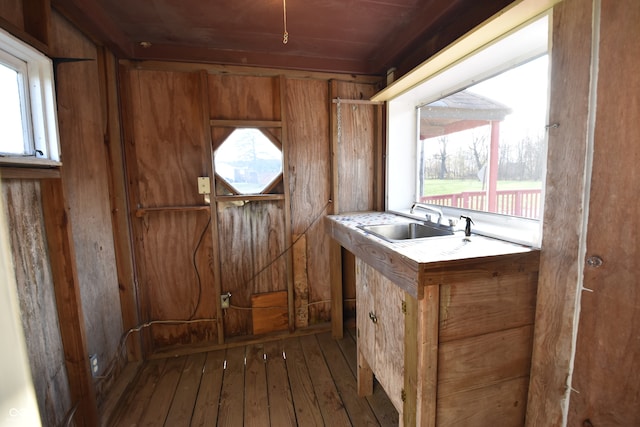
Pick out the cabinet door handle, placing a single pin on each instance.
(373, 317)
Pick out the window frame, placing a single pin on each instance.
(40, 104)
(505, 52)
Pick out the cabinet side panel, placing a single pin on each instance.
(484, 361)
(498, 405)
(479, 306)
(390, 336)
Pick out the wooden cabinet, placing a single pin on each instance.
(459, 354)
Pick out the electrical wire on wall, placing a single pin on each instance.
(280, 255)
(195, 267)
(119, 351)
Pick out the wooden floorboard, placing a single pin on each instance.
(256, 412)
(358, 408)
(304, 397)
(328, 398)
(281, 412)
(182, 406)
(231, 407)
(205, 412)
(298, 381)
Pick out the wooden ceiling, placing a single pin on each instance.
(349, 36)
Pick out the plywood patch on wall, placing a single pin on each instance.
(269, 312)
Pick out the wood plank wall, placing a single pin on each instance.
(85, 177)
(252, 245)
(605, 388)
(37, 299)
(594, 308)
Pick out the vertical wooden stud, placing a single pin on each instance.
(287, 201)
(217, 285)
(335, 254)
(300, 281)
(67, 290)
(421, 358)
(123, 244)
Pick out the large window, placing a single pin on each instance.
(483, 148)
(27, 105)
(470, 136)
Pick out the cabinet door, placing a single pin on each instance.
(381, 339)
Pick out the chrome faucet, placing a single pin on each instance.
(429, 209)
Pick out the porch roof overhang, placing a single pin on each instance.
(460, 111)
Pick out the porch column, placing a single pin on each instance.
(493, 166)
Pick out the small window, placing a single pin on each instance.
(248, 161)
(27, 105)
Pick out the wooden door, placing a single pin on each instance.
(254, 229)
(606, 391)
(167, 149)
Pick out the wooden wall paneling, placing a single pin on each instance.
(166, 151)
(35, 289)
(564, 198)
(37, 19)
(234, 97)
(356, 154)
(85, 176)
(11, 12)
(118, 196)
(356, 151)
(310, 188)
(280, 105)
(28, 20)
(608, 343)
(68, 300)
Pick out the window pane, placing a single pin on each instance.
(484, 148)
(248, 161)
(13, 137)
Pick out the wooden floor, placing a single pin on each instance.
(305, 381)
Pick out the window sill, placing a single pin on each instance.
(20, 168)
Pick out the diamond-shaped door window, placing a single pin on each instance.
(248, 161)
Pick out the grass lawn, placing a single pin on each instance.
(434, 187)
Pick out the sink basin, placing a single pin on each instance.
(405, 231)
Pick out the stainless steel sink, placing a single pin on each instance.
(405, 231)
